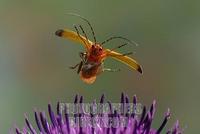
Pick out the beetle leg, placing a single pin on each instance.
(79, 67)
(75, 66)
(83, 56)
(111, 70)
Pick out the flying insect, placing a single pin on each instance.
(91, 64)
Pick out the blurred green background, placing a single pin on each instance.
(34, 62)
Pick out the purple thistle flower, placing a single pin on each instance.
(61, 123)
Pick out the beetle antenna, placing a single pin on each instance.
(88, 24)
(79, 34)
(127, 54)
(119, 37)
(83, 32)
(119, 46)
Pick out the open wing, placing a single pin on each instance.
(71, 35)
(124, 59)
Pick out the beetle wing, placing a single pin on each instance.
(71, 35)
(124, 59)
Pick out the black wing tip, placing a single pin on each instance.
(59, 32)
(140, 70)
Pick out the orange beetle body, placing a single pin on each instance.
(93, 65)
(92, 59)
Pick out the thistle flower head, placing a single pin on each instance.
(94, 123)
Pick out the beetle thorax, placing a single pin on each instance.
(95, 52)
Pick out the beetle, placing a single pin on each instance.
(92, 59)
